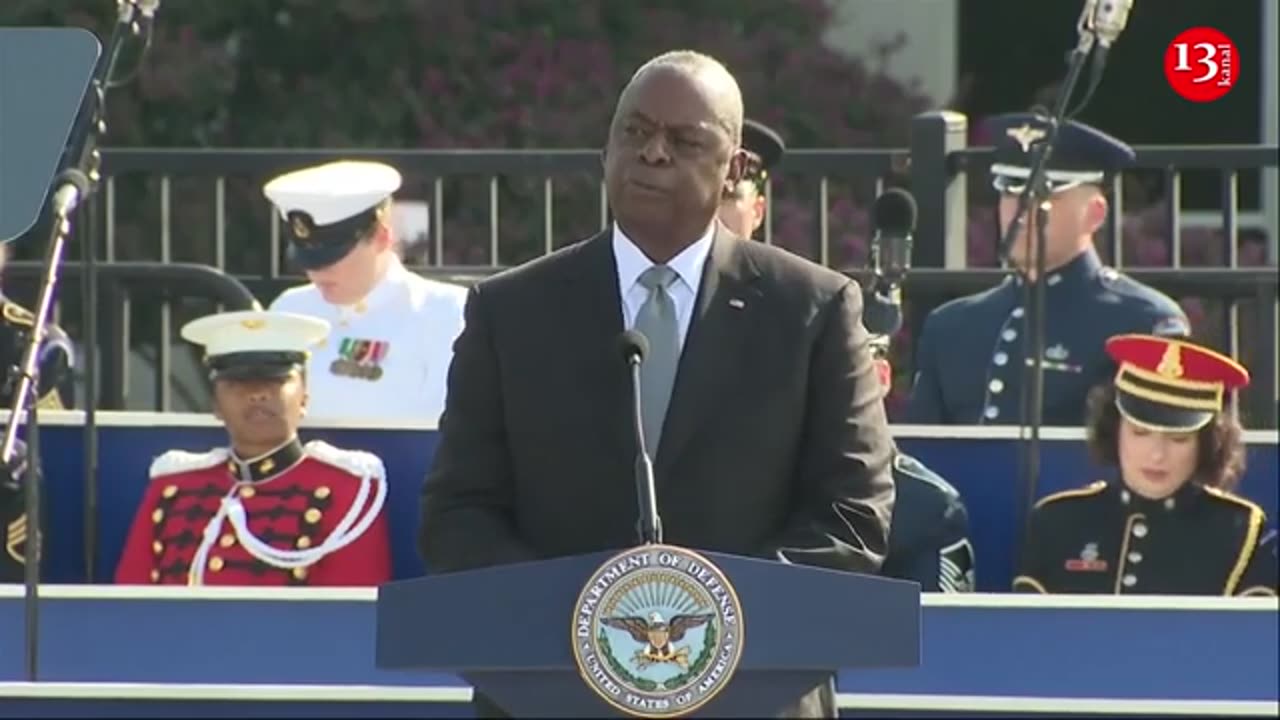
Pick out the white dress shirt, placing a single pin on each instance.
(387, 357)
(684, 291)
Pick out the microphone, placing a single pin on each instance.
(894, 216)
(1103, 21)
(1108, 20)
(633, 347)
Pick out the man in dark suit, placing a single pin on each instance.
(775, 443)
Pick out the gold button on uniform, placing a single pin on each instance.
(322, 492)
(155, 576)
(227, 540)
(216, 564)
(157, 547)
(300, 573)
(247, 492)
(304, 542)
(170, 491)
(312, 516)
(157, 515)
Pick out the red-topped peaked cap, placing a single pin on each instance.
(1171, 384)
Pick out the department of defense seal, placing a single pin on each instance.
(657, 631)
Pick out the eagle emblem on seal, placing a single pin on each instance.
(657, 631)
(659, 636)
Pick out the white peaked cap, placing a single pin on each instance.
(334, 191)
(256, 331)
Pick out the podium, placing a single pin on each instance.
(518, 633)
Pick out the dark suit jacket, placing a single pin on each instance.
(775, 444)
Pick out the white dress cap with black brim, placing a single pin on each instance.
(255, 344)
(328, 208)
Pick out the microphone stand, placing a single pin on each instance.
(646, 487)
(1036, 191)
(1034, 331)
(72, 185)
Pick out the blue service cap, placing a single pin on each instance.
(329, 208)
(763, 142)
(1081, 154)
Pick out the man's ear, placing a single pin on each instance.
(383, 237)
(1095, 213)
(737, 169)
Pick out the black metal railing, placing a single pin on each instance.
(121, 284)
(490, 209)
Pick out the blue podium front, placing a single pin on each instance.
(148, 652)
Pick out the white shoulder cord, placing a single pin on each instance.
(343, 534)
(195, 574)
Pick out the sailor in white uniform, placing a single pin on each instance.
(388, 356)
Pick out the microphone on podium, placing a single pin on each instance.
(634, 347)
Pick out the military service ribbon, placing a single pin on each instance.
(358, 358)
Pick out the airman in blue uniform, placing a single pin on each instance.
(929, 533)
(972, 355)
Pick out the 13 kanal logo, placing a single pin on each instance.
(1201, 64)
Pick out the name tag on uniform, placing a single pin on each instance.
(360, 358)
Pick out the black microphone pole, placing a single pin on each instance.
(76, 182)
(1036, 192)
(634, 348)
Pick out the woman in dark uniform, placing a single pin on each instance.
(1169, 524)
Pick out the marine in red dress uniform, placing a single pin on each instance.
(269, 510)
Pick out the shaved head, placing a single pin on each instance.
(710, 75)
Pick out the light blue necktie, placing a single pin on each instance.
(657, 322)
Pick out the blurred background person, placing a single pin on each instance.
(929, 536)
(55, 359)
(55, 390)
(1168, 523)
(393, 330)
(743, 208)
